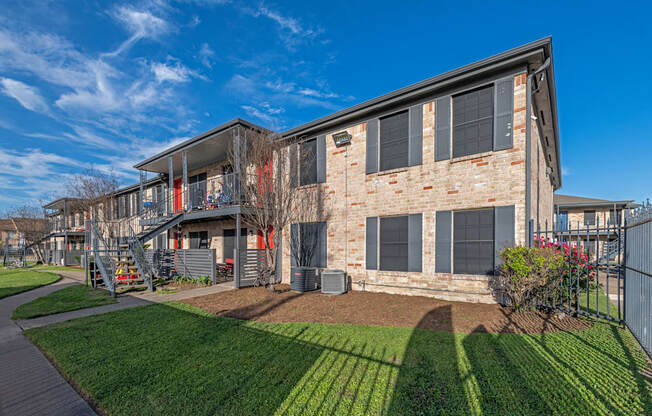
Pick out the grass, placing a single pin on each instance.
(13, 281)
(602, 300)
(68, 268)
(67, 299)
(175, 359)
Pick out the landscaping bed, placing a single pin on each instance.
(368, 308)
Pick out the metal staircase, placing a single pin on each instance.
(610, 250)
(137, 255)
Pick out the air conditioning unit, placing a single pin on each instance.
(333, 282)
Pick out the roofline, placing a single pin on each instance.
(624, 204)
(132, 187)
(406, 93)
(49, 204)
(219, 129)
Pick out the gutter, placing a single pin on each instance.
(528, 145)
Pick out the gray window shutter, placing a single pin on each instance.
(372, 243)
(294, 241)
(323, 241)
(279, 259)
(294, 169)
(442, 128)
(321, 158)
(415, 135)
(372, 146)
(504, 114)
(503, 231)
(443, 221)
(414, 242)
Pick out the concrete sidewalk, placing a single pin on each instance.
(29, 384)
(127, 300)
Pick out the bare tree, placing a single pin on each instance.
(92, 192)
(269, 182)
(31, 226)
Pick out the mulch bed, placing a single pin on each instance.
(367, 308)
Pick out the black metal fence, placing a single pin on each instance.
(638, 275)
(194, 263)
(592, 281)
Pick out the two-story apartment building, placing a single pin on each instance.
(437, 177)
(421, 187)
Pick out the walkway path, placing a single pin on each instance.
(29, 384)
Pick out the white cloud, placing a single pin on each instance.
(29, 97)
(175, 72)
(206, 55)
(100, 97)
(293, 30)
(141, 24)
(266, 113)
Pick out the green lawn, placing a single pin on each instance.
(13, 281)
(73, 269)
(602, 300)
(67, 299)
(175, 359)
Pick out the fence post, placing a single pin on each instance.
(530, 232)
(213, 263)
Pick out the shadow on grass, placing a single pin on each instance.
(176, 359)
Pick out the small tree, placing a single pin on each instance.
(93, 193)
(268, 185)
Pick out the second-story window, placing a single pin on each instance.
(473, 122)
(589, 217)
(394, 136)
(308, 162)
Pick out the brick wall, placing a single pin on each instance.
(478, 181)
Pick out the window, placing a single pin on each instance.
(308, 162)
(394, 136)
(394, 244)
(229, 242)
(589, 217)
(614, 219)
(473, 122)
(197, 188)
(198, 239)
(473, 242)
(562, 221)
(312, 235)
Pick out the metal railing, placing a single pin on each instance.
(638, 274)
(138, 254)
(590, 285)
(102, 253)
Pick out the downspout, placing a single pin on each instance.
(528, 142)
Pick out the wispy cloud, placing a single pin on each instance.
(267, 114)
(29, 97)
(172, 71)
(206, 55)
(292, 30)
(141, 24)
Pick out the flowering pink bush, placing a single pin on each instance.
(576, 259)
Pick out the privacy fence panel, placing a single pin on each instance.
(252, 261)
(194, 263)
(638, 276)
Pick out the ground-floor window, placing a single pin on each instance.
(198, 239)
(473, 241)
(308, 242)
(394, 244)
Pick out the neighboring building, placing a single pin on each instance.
(581, 212)
(9, 235)
(438, 177)
(589, 220)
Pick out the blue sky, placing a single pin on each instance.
(102, 85)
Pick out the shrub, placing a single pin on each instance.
(528, 273)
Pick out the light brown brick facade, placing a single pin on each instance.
(484, 180)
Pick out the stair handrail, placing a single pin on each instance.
(104, 262)
(137, 251)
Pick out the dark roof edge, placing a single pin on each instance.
(134, 186)
(369, 105)
(191, 141)
(624, 203)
